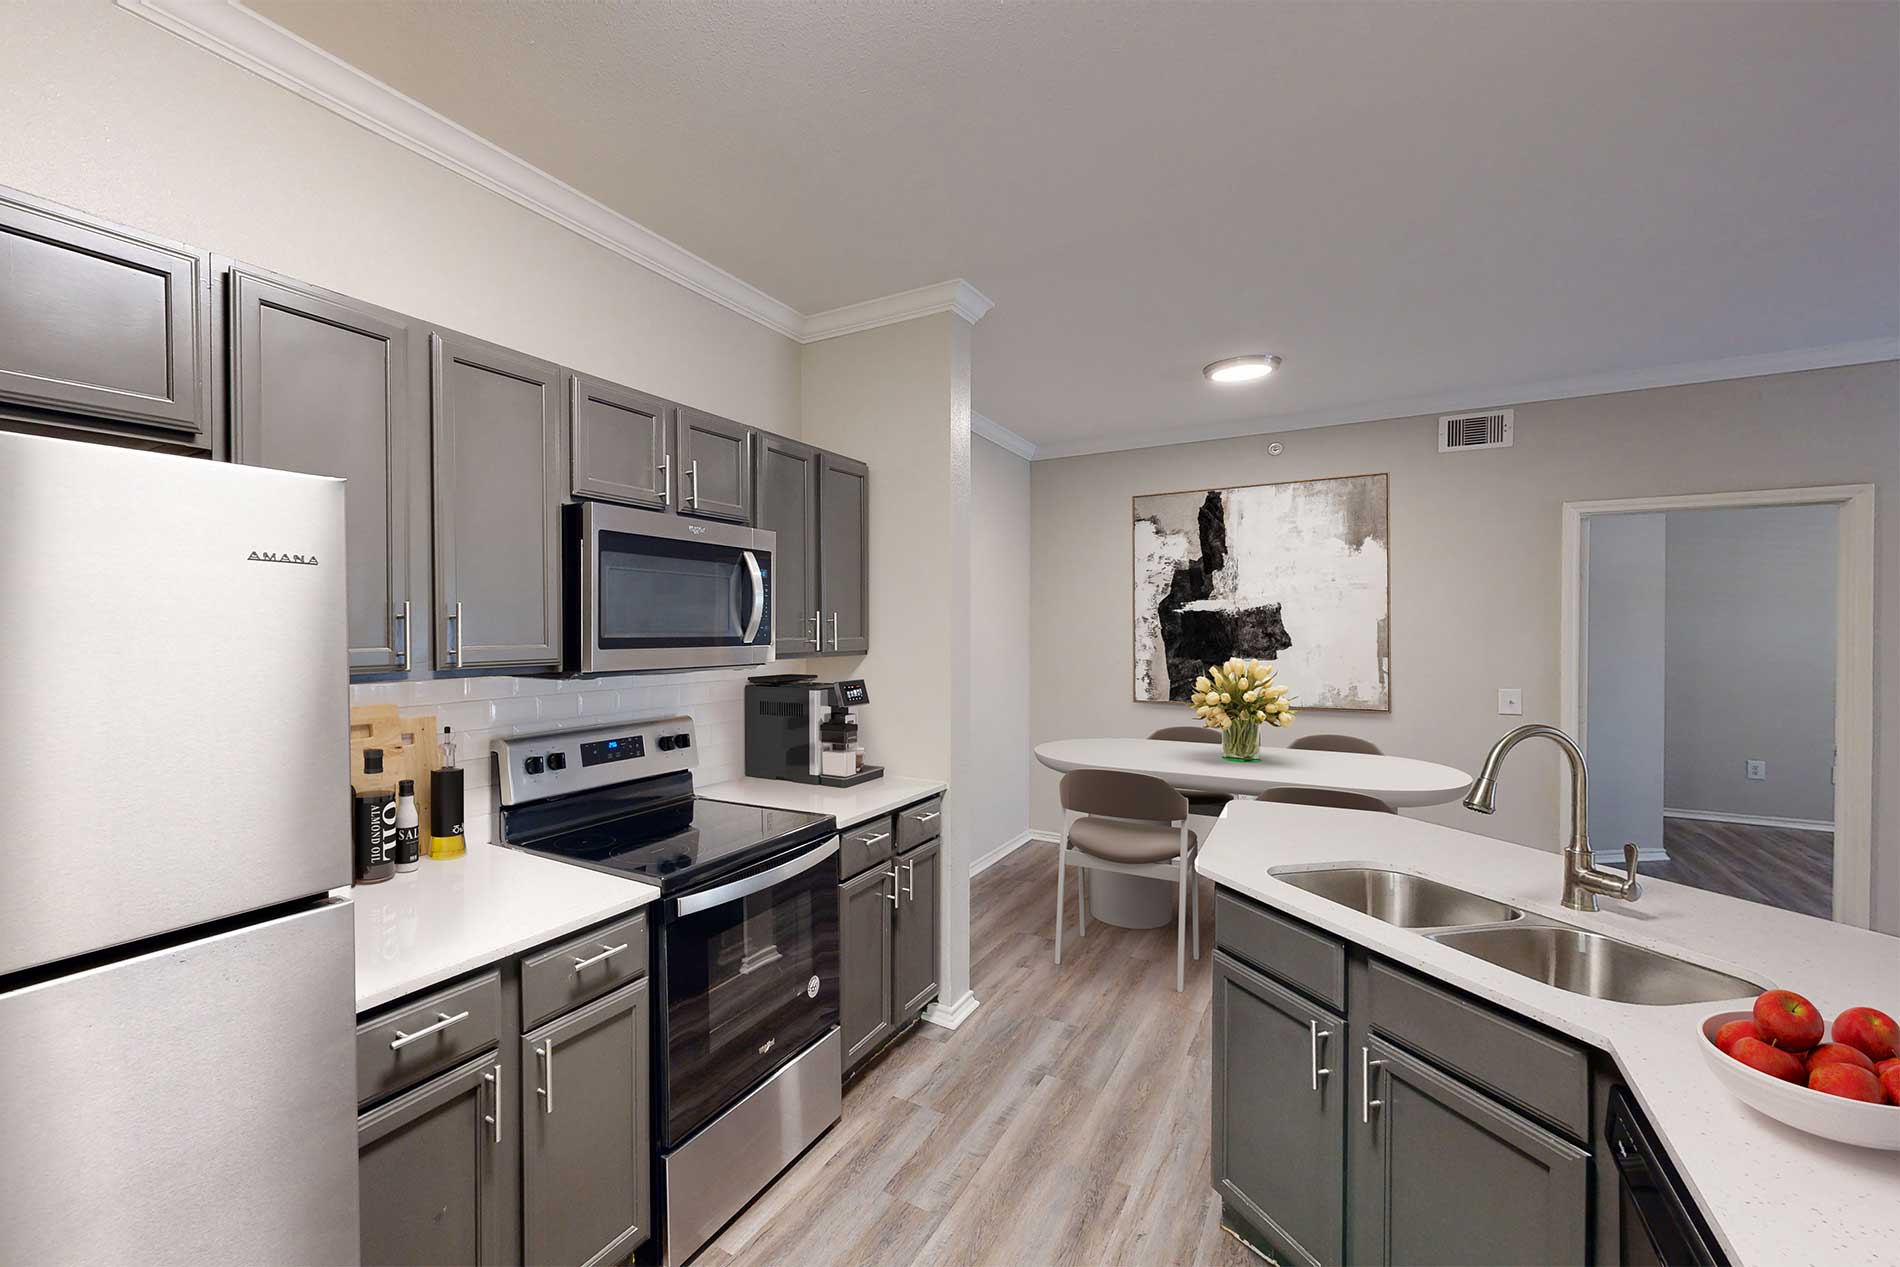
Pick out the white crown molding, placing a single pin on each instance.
(997, 434)
(1865, 352)
(249, 40)
(956, 296)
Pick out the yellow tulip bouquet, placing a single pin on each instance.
(1238, 698)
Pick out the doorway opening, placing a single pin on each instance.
(1718, 672)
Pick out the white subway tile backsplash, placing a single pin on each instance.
(557, 707)
(513, 712)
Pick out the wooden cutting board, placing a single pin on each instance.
(408, 745)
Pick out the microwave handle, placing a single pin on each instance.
(758, 595)
(754, 883)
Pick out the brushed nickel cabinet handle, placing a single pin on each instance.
(402, 1040)
(1366, 1103)
(402, 656)
(1318, 1034)
(924, 818)
(546, 1091)
(664, 468)
(606, 952)
(454, 649)
(872, 840)
(834, 631)
(692, 474)
(494, 1098)
(910, 878)
(892, 895)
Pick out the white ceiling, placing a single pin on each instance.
(1417, 205)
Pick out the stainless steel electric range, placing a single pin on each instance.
(747, 1057)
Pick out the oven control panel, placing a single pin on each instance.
(531, 767)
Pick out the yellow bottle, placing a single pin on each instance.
(445, 804)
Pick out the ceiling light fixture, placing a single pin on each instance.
(1241, 369)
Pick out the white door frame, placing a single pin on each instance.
(1853, 658)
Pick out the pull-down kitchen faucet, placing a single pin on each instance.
(1583, 879)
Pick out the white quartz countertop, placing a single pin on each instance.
(1772, 1194)
(1201, 768)
(452, 916)
(849, 805)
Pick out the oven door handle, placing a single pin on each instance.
(755, 883)
(758, 595)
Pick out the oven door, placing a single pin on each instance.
(749, 977)
(654, 592)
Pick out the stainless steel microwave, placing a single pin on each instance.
(647, 590)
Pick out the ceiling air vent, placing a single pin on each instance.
(1458, 432)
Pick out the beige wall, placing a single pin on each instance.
(108, 113)
(1475, 558)
(898, 397)
(1626, 638)
(999, 629)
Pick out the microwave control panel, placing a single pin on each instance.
(531, 767)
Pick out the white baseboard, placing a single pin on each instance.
(1751, 820)
(954, 1014)
(1009, 847)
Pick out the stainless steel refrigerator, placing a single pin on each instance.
(177, 1083)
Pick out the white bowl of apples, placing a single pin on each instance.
(1840, 1082)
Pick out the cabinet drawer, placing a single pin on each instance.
(582, 968)
(400, 1047)
(864, 847)
(920, 823)
(1298, 955)
(1524, 1065)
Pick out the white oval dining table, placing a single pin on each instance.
(1138, 902)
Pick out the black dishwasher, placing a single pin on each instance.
(1658, 1221)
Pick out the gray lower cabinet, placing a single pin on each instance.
(322, 384)
(585, 1139)
(102, 324)
(785, 501)
(1445, 1174)
(1280, 1092)
(432, 1174)
(844, 560)
(714, 456)
(620, 444)
(497, 421)
(865, 1014)
(915, 926)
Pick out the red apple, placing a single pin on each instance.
(1890, 1081)
(1734, 1032)
(1868, 1031)
(1881, 1066)
(1788, 1021)
(1772, 1061)
(1837, 1054)
(1850, 1082)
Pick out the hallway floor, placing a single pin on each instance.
(1067, 1121)
(1778, 866)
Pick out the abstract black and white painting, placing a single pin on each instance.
(1294, 573)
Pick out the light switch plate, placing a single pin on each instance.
(1510, 701)
(1758, 770)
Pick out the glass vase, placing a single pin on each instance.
(1241, 741)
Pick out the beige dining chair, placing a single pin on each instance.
(1200, 804)
(1336, 743)
(1133, 824)
(1326, 796)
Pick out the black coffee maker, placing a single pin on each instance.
(801, 729)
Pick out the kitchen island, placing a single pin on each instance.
(1769, 1193)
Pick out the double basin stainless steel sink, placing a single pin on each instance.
(1571, 959)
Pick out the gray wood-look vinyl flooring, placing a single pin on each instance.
(1778, 866)
(1066, 1122)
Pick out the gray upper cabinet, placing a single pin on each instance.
(321, 384)
(843, 554)
(585, 1138)
(103, 323)
(787, 504)
(621, 446)
(713, 456)
(865, 1013)
(497, 422)
(1451, 1176)
(430, 1171)
(915, 925)
(1280, 1114)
